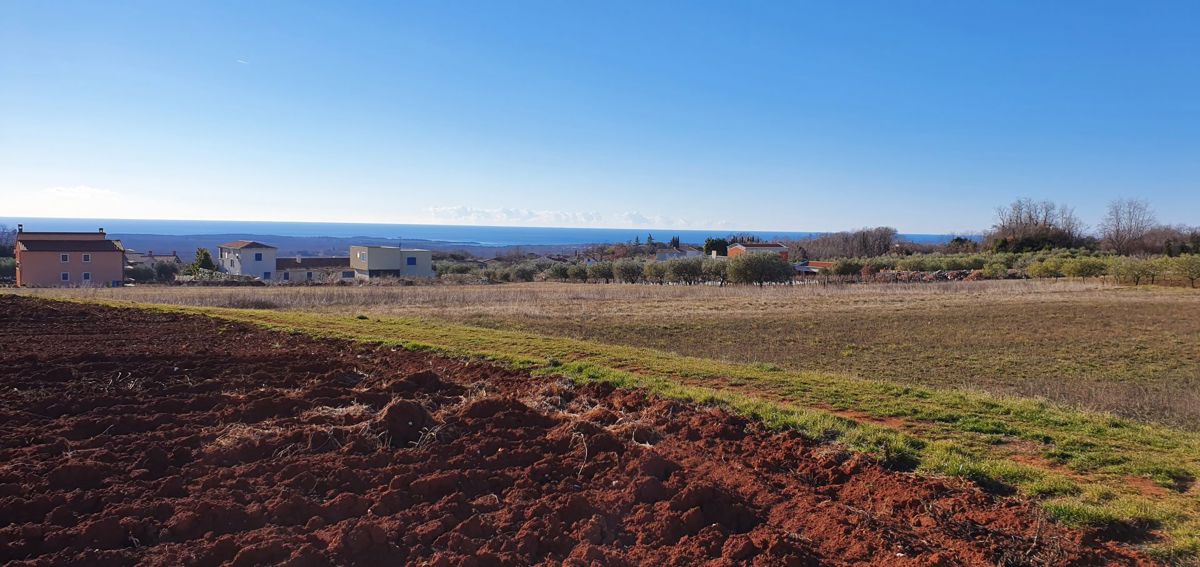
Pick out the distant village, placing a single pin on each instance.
(81, 259)
(91, 259)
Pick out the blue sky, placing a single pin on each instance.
(748, 115)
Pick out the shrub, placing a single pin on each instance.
(8, 268)
(996, 271)
(141, 274)
(844, 267)
(165, 271)
(913, 264)
(1043, 269)
(954, 263)
(444, 268)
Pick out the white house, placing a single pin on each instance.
(391, 261)
(247, 258)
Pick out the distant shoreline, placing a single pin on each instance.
(442, 236)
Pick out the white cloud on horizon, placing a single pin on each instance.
(505, 216)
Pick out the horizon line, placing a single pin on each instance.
(328, 222)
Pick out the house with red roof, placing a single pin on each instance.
(740, 248)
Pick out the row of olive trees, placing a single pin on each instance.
(757, 269)
(1124, 269)
(1073, 263)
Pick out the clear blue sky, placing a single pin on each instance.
(747, 115)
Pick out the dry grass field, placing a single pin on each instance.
(1130, 351)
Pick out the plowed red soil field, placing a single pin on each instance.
(133, 437)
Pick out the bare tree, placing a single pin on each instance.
(1126, 224)
(875, 241)
(1026, 224)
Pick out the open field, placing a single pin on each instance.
(1133, 480)
(1134, 352)
(143, 437)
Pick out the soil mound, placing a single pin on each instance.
(404, 421)
(144, 438)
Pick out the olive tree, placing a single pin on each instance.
(714, 270)
(760, 269)
(578, 272)
(685, 270)
(627, 270)
(601, 271)
(1187, 267)
(1084, 267)
(558, 271)
(655, 272)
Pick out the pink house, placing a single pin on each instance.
(68, 259)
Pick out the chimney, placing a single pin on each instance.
(101, 230)
(20, 228)
(149, 252)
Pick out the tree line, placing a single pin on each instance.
(1129, 228)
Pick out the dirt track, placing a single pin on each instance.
(130, 437)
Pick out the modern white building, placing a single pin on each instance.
(391, 261)
(247, 258)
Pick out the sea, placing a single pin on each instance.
(459, 234)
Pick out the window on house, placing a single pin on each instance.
(349, 274)
(87, 276)
(64, 277)
(287, 276)
(412, 260)
(64, 258)
(87, 257)
(266, 276)
(308, 275)
(362, 256)
(258, 256)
